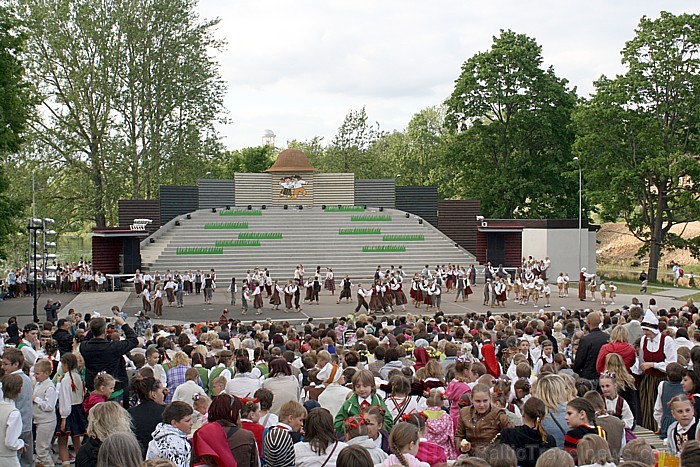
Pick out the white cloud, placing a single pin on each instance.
(298, 66)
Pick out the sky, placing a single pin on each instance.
(297, 67)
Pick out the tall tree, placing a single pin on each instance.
(129, 94)
(638, 136)
(349, 150)
(16, 105)
(512, 144)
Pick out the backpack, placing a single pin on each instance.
(680, 272)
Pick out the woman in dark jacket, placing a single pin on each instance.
(225, 410)
(149, 412)
(104, 419)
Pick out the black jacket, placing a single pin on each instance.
(106, 355)
(527, 443)
(146, 416)
(587, 355)
(87, 454)
(64, 339)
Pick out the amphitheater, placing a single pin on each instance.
(351, 240)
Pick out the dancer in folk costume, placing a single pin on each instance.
(427, 297)
(362, 296)
(137, 282)
(656, 351)
(345, 290)
(257, 298)
(268, 283)
(308, 286)
(288, 296)
(146, 300)
(387, 297)
(582, 278)
(415, 292)
(399, 296)
(329, 283)
(276, 300)
(376, 303)
(157, 301)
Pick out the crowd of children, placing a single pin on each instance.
(433, 390)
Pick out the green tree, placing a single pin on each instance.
(512, 138)
(16, 105)
(248, 160)
(349, 150)
(638, 136)
(129, 95)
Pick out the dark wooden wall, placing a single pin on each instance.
(419, 200)
(140, 209)
(375, 193)
(177, 200)
(105, 254)
(457, 220)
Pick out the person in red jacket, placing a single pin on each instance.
(250, 418)
(617, 344)
(488, 352)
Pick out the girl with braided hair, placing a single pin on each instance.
(428, 451)
(357, 434)
(404, 441)
(530, 439)
(72, 421)
(439, 427)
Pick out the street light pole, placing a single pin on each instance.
(580, 208)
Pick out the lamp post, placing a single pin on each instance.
(580, 207)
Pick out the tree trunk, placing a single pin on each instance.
(657, 235)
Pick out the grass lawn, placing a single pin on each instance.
(634, 290)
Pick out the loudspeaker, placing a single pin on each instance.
(189, 216)
(323, 206)
(151, 240)
(301, 207)
(381, 209)
(177, 223)
(228, 208)
(407, 215)
(420, 221)
(263, 207)
(250, 207)
(286, 207)
(213, 209)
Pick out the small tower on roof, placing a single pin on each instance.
(268, 138)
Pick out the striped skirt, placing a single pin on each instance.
(648, 390)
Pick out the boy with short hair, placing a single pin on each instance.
(170, 436)
(12, 363)
(11, 422)
(278, 441)
(44, 411)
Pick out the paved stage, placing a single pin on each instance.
(196, 311)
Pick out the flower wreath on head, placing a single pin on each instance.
(248, 400)
(433, 352)
(364, 353)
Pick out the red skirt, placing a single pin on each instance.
(428, 300)
(419, 295)
(412, 294)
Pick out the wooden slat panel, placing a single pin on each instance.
(215, 193)
(376, 193)
(253, 188)
(140, 209)
(335, 188)
(457, 220)
(105, 254)
(177, 200)
(513, 249)
(481, 247)
(419, 200)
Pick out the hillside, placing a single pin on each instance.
(616, 245)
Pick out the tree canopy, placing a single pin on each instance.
(512, 145)
(638, 136)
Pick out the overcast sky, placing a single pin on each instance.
(297, 67)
